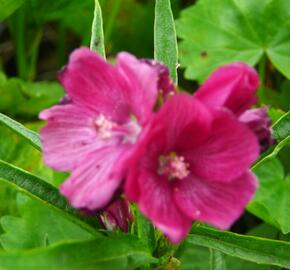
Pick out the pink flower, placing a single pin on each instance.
(234, 87)
(117, 215)
(259, 122)
(231, 86)
(192, 164)
(92, 131)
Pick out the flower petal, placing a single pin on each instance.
(232, 86)
(142, 82)
(93, 83)
(157, 204)
(93, 183)
(227, 153)
(68, 136)
(218, 204)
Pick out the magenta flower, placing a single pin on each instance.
(234, 87)
(259, 122)
(192, 164)
(231, 86)
(117, 215)
(92, 131)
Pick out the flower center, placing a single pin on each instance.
(104, 126)
(173, 166)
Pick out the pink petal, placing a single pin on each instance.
(218, 204)
(93, 83)
(181, 123)
(232, 86)
(93, 183)
(227, 153)
(142, 82)
(156, 203)
(68, 136)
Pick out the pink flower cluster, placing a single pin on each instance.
(180, 157)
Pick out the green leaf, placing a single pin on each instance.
(29, 135)
(37, 226)
(104, 253)
(281, 129)
(8, 7)
(272, 200)
(218, 32)
(165, 42)
(217, 261)
(97, 38)
(26, 98)
(258, 250)
(37, 188)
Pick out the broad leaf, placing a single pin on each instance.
(223, 31)
(104, 253)
(258, 250)
(46, 193)
(165, 42)
(37, 226)
(8, 7)
(272, 200)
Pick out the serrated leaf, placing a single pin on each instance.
(165, 41)
(272, 200)
(37, 226)
(8, 7)
(223, 31)
(104, 253)
(257, 250)
(38, 189)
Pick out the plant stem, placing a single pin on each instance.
(111, 21)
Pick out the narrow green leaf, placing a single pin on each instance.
(105, 253)
(8, 7)
(217, 261)
(37, 188)
(254, 249)
(97, 37)
(281, 129)
(31, 136)
(165, 42)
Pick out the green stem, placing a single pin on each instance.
(216, 260)
(262, 74)
(20, 42)
(111, 21)
(34, 55)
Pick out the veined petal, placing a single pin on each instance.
(93, 183)
(156, 203)
(218, 204)
(68, 136)
(142, 85)
(232, 86)
(93, 83)
(227, 153)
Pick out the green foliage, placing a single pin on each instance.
(257, 250)
(223, 31)
(44, 192)
(31, 136)
(103, 253)
(272, 199)
(25, 98)
(217, 260)
(282, 127)
(165, 43)
(8, 7)
(37, 226)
